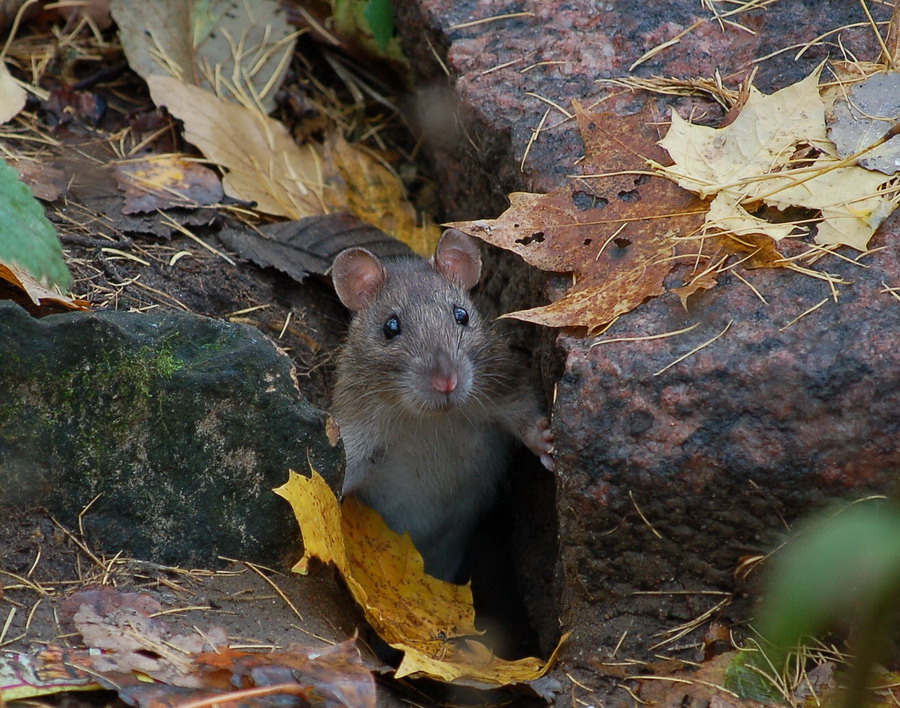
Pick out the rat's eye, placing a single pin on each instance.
(391, 327)
(461, 316)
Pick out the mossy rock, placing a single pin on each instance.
(178, 425)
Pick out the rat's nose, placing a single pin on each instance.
(443, 375)
(444, 383)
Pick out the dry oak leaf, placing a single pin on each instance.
(615, 227)
(424, 617)
(262, 161)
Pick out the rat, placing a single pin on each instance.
(428, 398)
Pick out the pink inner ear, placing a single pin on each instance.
(457, 258)
(357, 276)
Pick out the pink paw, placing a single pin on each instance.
(539, 439)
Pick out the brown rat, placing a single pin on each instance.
(428, 397)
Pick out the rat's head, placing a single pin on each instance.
(416, 340)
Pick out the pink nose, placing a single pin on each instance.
(444, 383)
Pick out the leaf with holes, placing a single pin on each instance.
(615, 228)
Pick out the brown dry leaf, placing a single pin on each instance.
(18, 285)
(334, 676)
(47, 182)
(615, 228)
(703, 685)
(413, 612)
(164, 182)
(369, 190)
(263, 163)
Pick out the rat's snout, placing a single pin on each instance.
(444, 377)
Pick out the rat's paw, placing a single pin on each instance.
(539, 439)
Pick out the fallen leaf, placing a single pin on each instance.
(133, 642)
(18, 285)
(758, 140)
(424, 617)
(47, 182)
(263, 164)
(363, 186)
(238, 50)
(763, 157)
(727, 214)
(309, 245)
(853, 201)
(46, 671)
(164, 182)
(615, 228)
(861, 119)
(697, 685)
(334, 675)
(27, 238)
(12, 96)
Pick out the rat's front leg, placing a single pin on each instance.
(538, 437)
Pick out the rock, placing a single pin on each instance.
(665, 482)
(178, 425)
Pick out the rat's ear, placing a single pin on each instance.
(358, 276)
(457, 258)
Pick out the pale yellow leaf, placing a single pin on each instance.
(370, 191)
(759, 139)
(726, 213)
(261, 159)
(850, 199)
(12, 96)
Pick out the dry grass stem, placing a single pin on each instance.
(804, 314)
(695, 349)
(495, 18)
(643, 518)
(533, 137)
(664, 335)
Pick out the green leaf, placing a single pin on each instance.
(27, 238)
(840, 568)
(371, 24)
(744, 677)
(380, 16)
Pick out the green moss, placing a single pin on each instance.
(93, 410)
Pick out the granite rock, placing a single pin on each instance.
(665, 482)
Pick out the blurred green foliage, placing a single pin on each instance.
(371, 23)
(841, 572)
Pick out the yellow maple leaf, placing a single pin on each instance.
(757, 142)
(430, 620)
(748, 163)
